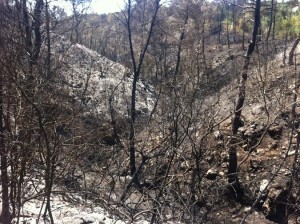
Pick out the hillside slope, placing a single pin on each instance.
(95, 80)
(267, 146)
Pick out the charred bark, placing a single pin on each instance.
(137, 66)
(232, 167)
(37, 30)
(5, 215)
(291, 54)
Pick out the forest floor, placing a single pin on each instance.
(266, 152)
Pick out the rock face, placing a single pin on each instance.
(278, 197)
(274, 207)
(97, 82)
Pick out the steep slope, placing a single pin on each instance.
(96, 81)
(267, 141)
(96, 87)
(265, 147)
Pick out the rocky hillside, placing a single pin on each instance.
(267, 147)
(268, 140)
(212, 136)
(99, 189)
(96, 81)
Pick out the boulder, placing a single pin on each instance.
(275, 131)
(275, 206)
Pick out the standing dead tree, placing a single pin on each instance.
(137, 66)
(39, 5)
(5, 217)
(236, 123)
(292, 52)
(78, 9)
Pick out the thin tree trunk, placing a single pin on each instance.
(27, 28)
(271, 21)
(244, 21)
(179, 51)
(228, 31)
(269, 29)
(219, 29)
(133, 96)
(234, 20)
(292, 52)
(232, 168)
(202, 43)
(137, 66)
(5, 215)
(39, 4)
(274, 21)
(50, 157)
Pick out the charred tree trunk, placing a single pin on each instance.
(5, 215)
(274, 20)
(234, 20)
(271, 21)
(232, 168)
(133, 96)
(50, 155)
(39, 4)
(291, 54)
(27, 28)
(75, 26)
(137, 66)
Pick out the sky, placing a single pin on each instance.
(97, 6)
(107, 6)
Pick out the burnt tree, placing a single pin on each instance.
(291, 54)
(232, 167)
(137, 66)
(4, 157)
